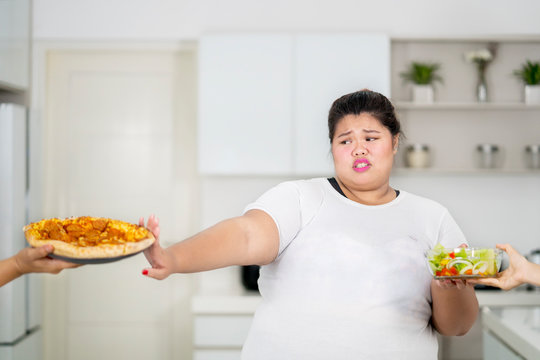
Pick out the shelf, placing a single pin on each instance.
(403, 105)
(399, 171)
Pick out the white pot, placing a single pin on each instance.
(422, 94)
(532, 94)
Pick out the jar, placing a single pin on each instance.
(417, 156)
(532, 156)
(488, 156)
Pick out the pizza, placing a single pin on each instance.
(89, 237)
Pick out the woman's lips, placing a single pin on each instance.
(361, 165)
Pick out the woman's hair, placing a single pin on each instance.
(364, 101)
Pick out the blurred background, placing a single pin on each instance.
(191, 109)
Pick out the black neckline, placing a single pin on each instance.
(336, 186)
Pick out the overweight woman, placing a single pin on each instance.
(343, 274)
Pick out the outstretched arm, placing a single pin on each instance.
(244, 240)
(31, 260)
(520, 271)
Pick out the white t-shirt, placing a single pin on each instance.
(350, 280)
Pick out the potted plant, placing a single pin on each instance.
(529, 74)
(422, 76)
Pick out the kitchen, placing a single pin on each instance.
(144, 56)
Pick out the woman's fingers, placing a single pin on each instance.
(158, 274)
(152, 225)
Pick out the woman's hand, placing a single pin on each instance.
(162, 262)
(451, 284)
(511, 277)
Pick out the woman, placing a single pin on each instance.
(343, 273)
(30, 260)
(519, 272)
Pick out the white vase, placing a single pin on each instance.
(532, 94)
(422, 94)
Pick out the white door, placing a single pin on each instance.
(120, 143)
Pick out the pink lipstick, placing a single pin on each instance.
(361, 165)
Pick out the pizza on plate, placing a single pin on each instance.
(89, 237)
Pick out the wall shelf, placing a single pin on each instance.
(404, 171)
(404, 105)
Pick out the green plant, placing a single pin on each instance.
(422, 73)
(529, 73)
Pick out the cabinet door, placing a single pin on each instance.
(14, 43)
(245, 104)
(494, 349)
(217, 354)
(326, 67)
(217, 331)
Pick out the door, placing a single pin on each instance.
(120, 143)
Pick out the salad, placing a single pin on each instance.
(463, 262)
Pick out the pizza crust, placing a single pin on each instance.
(101, 251)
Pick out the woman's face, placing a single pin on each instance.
(363, 151)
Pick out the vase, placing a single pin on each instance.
(532, 94)
(422, 94)
(481, 85)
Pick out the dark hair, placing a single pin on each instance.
(364, 101)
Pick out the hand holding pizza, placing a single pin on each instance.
(31, 260)
(162, 262)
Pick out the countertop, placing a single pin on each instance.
(518, 327)
(246, 303)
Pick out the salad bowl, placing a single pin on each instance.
(463, 263)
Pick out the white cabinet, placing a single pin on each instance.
(264, 98)
(245, 101)
(220, 336)
(328, 66)
(221, 325)
(14, 44)
(495, 349)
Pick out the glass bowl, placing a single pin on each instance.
(463, 263)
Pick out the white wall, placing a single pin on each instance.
(187, 19)
(489, 209)
(175, 20)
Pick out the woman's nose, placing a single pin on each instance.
(360, 150)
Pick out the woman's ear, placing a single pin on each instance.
(396, 144)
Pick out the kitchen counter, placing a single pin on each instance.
(247, 302)
(517, 327)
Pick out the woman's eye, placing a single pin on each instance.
(371, 139)
(346, 142)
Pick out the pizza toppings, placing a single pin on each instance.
(88, 231)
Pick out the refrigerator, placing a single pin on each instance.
(20, 300)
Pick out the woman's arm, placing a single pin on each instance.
(31, 260)
(245, 240)
(454, 307)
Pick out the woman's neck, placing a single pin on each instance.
(379, 196)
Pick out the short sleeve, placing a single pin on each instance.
(282, 203)
(450, 235)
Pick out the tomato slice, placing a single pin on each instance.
(452, 255)
(454, 271)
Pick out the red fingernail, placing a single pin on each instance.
(145, 272)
